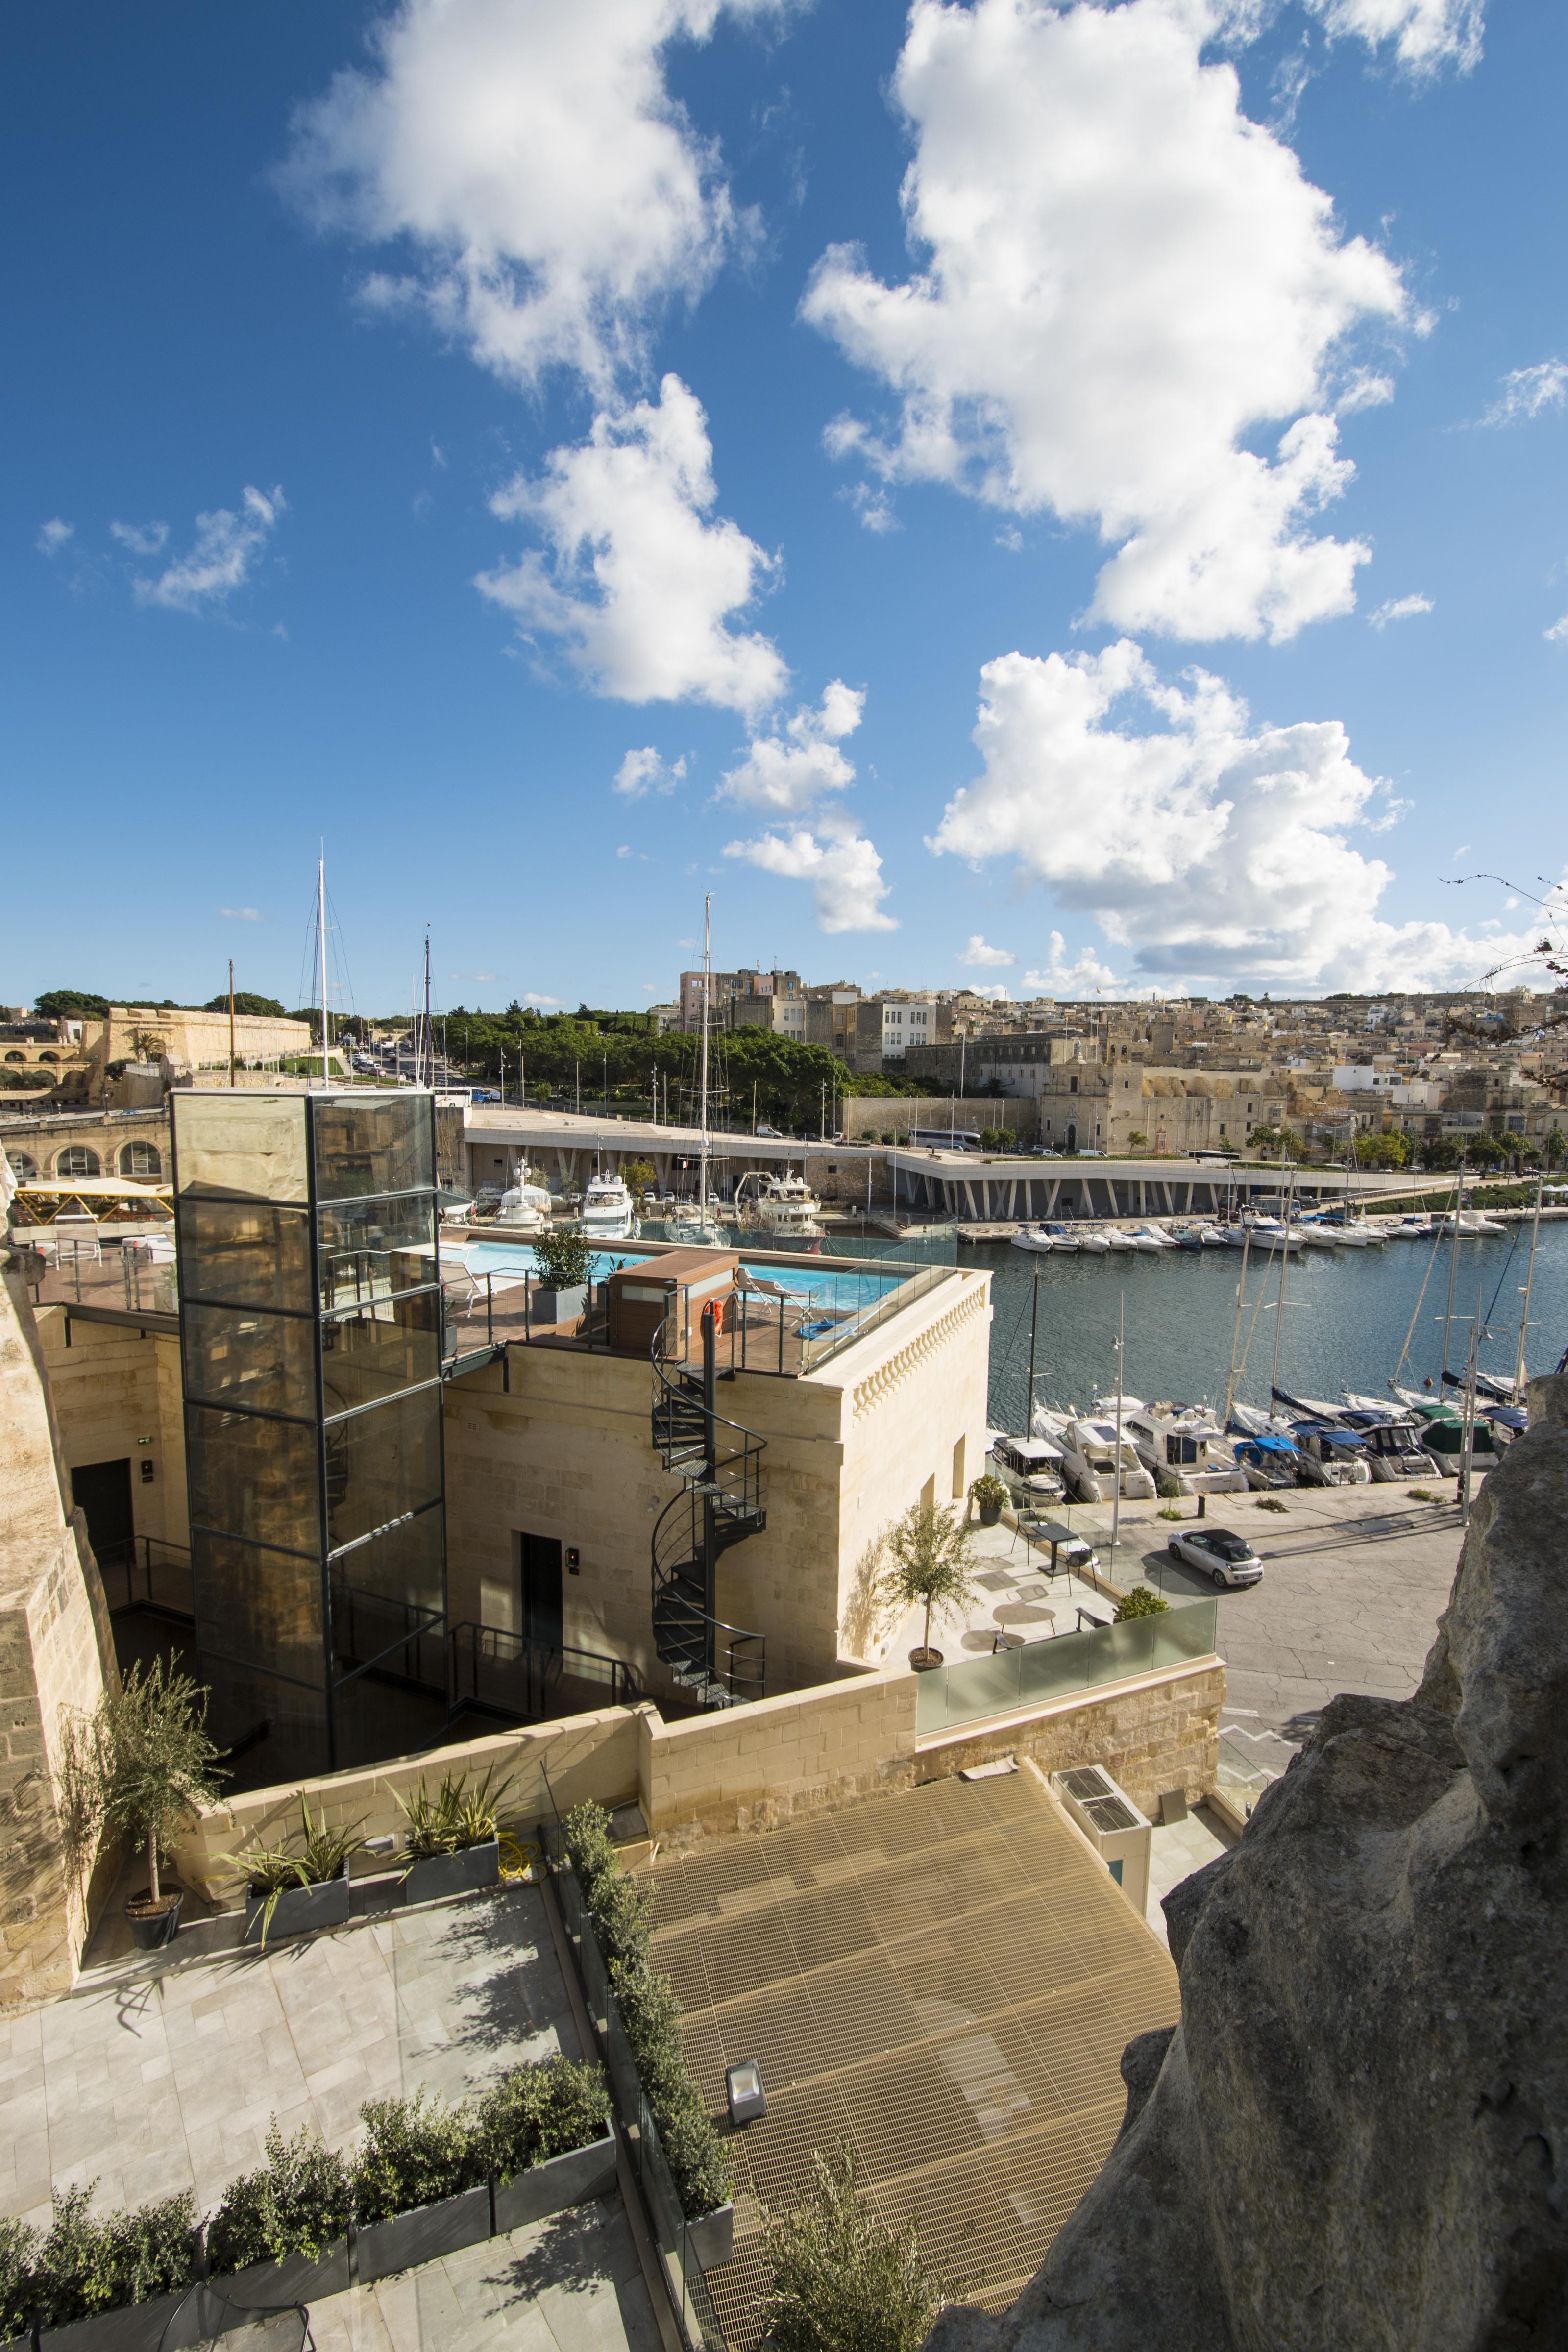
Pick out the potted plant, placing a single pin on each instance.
(281, 2233)
(454, 1837)
(546, 2140)
(112, 2284)
(564, 1260)
(989, 1496)
(295, 1894)
(141, 1766)
(420, 2186)
(930, 1564)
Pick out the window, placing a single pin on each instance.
(1072, 1085)
(77, 1160)
(25, 1165)
(140, 1159)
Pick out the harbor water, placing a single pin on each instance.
(1346, 1315)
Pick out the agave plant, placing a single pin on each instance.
(456, 1817)
(324, 1854)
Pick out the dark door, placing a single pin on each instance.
(1072, 1136)
(101, 1492)
(541, 1590)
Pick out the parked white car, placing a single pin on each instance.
(1218, 1553)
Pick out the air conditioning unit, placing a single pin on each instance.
(1113, 1825)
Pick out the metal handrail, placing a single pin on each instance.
(730, 1485)
(543, 1664)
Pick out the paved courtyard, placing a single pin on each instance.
(159, 2078)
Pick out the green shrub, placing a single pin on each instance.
(1140, 1602)
(1422, 1495)
(18, 2249)
(460, 1814)
(1267, 1503)
(416, 2151)
(650, 2014)
(988, 1493)
(1167, 1485)
(1168, 1513)
(841, 2279)
(297, 2203)
(563, 1255)
(537, 2112)
(84, 2265)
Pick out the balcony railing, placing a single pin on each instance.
(1059, 1665)
(506, 1674)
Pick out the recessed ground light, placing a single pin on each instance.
(743, 2085)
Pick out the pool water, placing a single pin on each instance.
(812, 1278)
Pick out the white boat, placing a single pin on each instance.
(607, 1208)
(1090, 1450)
(1034, 1238)
(1312, 1233)
(525, 1206)
(787, 1206)
(1213, 1237)
(699, 1230)
(1144, 1238)
(1470, 1223)
(1120, 1240)
(1331, 1456)
(1185, 1442)
(1393, 1445)
(1097, 1243)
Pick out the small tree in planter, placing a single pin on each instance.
(840, 2279)
(989, 1496)
(1142, 1601)
(146, 1763)
(297, 2203)
(930, 1563)
(564, 1258)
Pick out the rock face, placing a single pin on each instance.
(1357, 2136)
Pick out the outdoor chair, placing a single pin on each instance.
(205, 2315)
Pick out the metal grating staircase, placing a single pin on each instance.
(719, 1464)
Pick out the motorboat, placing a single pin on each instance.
(696, 1229)
(1251, 1421)
(1311, 1233)
(1094, 1464)
(1095, 1243)
(607, 1208)
(1213, 1237)
(1332, 1454)
(1145, 1238)
(1472, 1224)
(1037, 1466)
(1034, 1238)
(785, 1206)
(1062, 1237)
(1268, 1462)
(525, 1206)
(1394, 1448)
(1443, 1435)
(1184, 1443)
(1120, 1240)
(1187, 1237)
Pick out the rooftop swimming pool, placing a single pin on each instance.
(838, 1289)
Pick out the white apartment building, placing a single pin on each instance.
(907, 1021)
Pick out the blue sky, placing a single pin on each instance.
(1049, 496)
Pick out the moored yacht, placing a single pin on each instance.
(1089, 1449)
(1185, 1442)
(787, 1206)
(607, 1207)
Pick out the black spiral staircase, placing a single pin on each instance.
(719, 1464)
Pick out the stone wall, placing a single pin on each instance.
(754, 1767)
(55, 1655)
(1155, 1734)
(113, 1386)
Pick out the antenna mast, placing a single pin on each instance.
(321, 940)
(428, 1043)
(702, 1095)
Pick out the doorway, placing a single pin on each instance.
(539, 1560)
(1072, 1134)
(101, 1492)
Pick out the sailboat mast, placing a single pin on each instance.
(1524, 1314)
(1280, 1310)
(1115, 1474)
(321, 943)
(1235, 1328)
(702, 1083)
(1034, 1326)
(428, 1046)
(1453, 1269)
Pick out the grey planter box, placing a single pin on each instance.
(300, 1910)
(712, 2239)
(264, 2286)
(557, 1305)
(446, 1875)
(424, 2235)
(560, 2181)
(133, 2327)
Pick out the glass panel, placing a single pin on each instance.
(239, 1359)
(369, 1247)
(253, 1477)
(259, 1605)
(240, 1146)
(388, 1598)
(376, 1716)
(1049, 1668)
(382, 1464)
(376, 1349)
(250, 1252)
(283, 1724)
(383, 1144)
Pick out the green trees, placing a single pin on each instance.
(142, 1763)
(839, 2278)
(1390, 1150)
(262, 1007)
(930, 1565)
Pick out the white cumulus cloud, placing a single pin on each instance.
(1123, 281)
(1081, 977)
(978, 953)
(1205, 848)
(1557, 635)
(647, 772)
(140, 539)
(1426, 34)
(1527, 392)
(784, 775)
(54, 535)
(638, 585)
(1399, 608)
(221, 558)
(842, 867)
(553, 194)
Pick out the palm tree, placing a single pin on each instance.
(930, 1564)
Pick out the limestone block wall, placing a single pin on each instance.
(55, 1655)
(776, 1760)
(582, 1756)
(1158, 1733)
(112, 1387)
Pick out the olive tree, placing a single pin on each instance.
(930, 1563)
(838, 2277)
(147, 1758)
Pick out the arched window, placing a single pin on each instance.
(140, 1159)
(13, 1057)
(23, 1166)
(46, 1056)
(77, 1160)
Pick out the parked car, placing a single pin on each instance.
(772, 1131)
(1218, 1553)
(486, 1094)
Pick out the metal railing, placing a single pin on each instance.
(1059, 1665)
(146, 1573)
(505, 1673)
